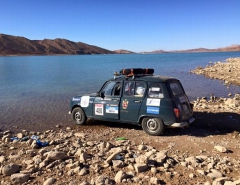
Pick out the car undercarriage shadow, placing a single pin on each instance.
(206, 124)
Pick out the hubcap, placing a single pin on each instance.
(78, 116)
(151, 124)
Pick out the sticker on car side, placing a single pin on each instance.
(85, 101)
(153, 110)
(153, 102)
(125, 104)
(112, 109)
(99, 109)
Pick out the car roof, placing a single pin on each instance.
(147, 78)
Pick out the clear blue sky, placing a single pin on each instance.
(135, 25)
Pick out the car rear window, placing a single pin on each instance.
(176, 88)
(155, 91)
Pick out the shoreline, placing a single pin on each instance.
(228, 72)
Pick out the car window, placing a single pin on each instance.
(112, 88)
(129, 89)
(176, 88)
(139, 89)
(155, 91)
(136, 89)
(117, 89)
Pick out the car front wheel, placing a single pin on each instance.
(153, 126)
(78, 116)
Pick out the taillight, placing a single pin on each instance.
(176, 112)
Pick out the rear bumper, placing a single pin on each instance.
(184, 123)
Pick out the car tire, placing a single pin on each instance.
(78, 116)
(153, 126)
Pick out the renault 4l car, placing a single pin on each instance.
(136, 96)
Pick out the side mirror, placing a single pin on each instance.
(102, 95)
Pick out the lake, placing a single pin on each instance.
(35, 90)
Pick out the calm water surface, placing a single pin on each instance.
(35, 90)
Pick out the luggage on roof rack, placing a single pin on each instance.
(137, 71)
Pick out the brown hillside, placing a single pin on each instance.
(122, 51)
(13, 45)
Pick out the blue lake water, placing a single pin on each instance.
(35, 90)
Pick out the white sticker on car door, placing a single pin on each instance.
(84, 101)
(153, 102)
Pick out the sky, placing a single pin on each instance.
(134, 25)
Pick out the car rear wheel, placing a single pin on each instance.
(153, 126)
(78, 116)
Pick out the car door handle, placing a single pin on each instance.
(115, 100)
(137, 101)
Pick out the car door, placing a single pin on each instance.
(132, 98)
(107, 105)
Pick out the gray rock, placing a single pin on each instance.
(192, 175)
(20, 135)
(154, 170)
(201, 172)
(10, 169)
(83, 157)
(140, 167)
(142, 159)
(43, 164)
(120, 176)
(214, 174)
(113, 156)
(142, 147)
(160, 157)
(49, 181)
(220, 149)
(34, 144)
(207, 183)
(149, 154)
(2, 159)
(80, 135)
(42, 151)
(236, 182)
(83, 172)
(210, 166)
(5, 137)
(230, 183)
(118, 164)
(79, 152)
(55, 155)
(102, 180)
(219, 181)
(154, 180)
(19, 178)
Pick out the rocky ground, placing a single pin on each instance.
(228, 71)
(208, 152)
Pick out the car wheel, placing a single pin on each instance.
(153, 126)
(78, 116)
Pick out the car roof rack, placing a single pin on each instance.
(134, 72)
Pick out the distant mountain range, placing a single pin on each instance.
(15, 45)
(224, 49)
